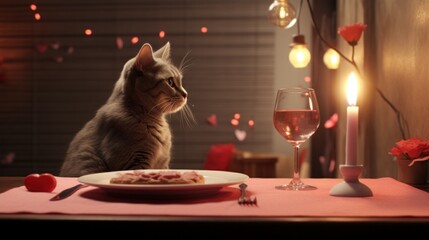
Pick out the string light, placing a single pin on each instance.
(331, 59)
(204, 29)
(282, 14)
(299, 56)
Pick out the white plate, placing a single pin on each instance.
(214, 181)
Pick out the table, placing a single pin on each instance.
(254, 223)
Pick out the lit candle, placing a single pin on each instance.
(352, 121)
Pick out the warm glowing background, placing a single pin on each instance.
(56, 76)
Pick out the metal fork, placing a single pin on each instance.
(244, 199)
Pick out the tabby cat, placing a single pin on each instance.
(130, 131)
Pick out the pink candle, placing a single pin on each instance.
(352, 135)
(352, 121)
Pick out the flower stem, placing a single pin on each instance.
(399, 117)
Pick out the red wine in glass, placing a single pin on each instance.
(296, 125)
(296, 118)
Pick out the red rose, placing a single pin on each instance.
(411, 148)
(425, 151)
(352, 33)
(396, 151)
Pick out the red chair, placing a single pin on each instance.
(219, 156)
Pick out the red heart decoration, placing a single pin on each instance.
(212, 120)
(44, 182)
(59, 59)
(41, 47)
(119, 42)
(55, 46)
(240, 134)
(70, 50)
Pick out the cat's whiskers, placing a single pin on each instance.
(185, 63)
(161, 106)
(171, 105)
(168, 104)
(187, 116)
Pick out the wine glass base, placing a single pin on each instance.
(295, 186)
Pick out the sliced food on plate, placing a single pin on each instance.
(158, 177)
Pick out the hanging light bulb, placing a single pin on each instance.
(282, 14)
(299, 56)
(331, 59)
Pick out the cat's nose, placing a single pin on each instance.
(183, 92)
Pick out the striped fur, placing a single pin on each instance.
(130, 130)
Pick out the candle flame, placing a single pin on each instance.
(352, 89)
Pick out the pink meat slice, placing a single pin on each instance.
(169, 176)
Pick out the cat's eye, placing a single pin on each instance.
(170, 81)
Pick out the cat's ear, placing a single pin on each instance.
(144, 58)
(164, 52)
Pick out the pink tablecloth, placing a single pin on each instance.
(391, 199)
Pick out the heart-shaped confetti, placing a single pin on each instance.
(322, 160)
(307, 79)
(212, 120)
(55, 46)
(8, 159)
(240, 134)
(70, 50)
(332, 165)
(119, 42)
(332, 121)
(59, 59)
(41, 47)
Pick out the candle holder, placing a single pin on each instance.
(351, 186)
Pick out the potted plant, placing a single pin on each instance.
(411, 155)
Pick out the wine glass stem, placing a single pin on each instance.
(296, 177)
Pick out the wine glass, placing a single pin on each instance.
(296, 118)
